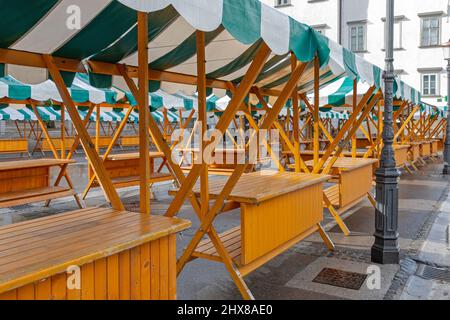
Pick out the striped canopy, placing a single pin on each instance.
(81, 91)
(234, 31)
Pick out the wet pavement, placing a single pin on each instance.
(290, 275)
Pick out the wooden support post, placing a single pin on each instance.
(202, 116)
(97, 128)
(295, 120)
(144, 113)
(316, 144)
(355, 102)
(63, 133)
(104, 179)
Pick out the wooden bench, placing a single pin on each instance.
(104, 142)
(124, 170)
(129, 141)
(434, 147)
(103, 254)
(277, 211)
(425, 149)
(14, 146)
(228, 159)
(354, 182)
(414, 150)
(27, 181)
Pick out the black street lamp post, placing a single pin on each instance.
(385, 249)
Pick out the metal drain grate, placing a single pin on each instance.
(340, 278)
(433, 273)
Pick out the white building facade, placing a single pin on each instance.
(420, 28)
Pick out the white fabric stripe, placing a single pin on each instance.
(29, 112)
(48, 113)
(275, 29)
(95, 95)
(52, 32)
(3, 89)
(336, 62)
(45, 91)
(365, 70)
(176, 33)
(170, 101)
(14, 114)
(205, 15)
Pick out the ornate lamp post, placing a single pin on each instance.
(386, 250)
(446, 49)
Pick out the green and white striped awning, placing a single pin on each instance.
(234, 31)
(81, 91)
(331, 114)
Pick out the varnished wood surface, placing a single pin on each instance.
(134, 155)
(35, 249)
(34, 163)
(260, 186)
(347, 163)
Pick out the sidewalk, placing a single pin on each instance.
(424, 213)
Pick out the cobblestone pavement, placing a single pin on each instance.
(289, 276)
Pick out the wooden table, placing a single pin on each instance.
(124, 170)
(425, 149)
(414, 148)
(277, 211)
(14, 146)
(355, 176)
(228, 159)
(434, 147)
(117, 255)
(27, 181)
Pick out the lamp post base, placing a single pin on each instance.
(446, 170)
(385, 251)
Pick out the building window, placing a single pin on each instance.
(430, 84)
(398, 43)
(281, 3)
(358, 37)
(431, 30)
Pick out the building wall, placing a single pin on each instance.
(411, 60)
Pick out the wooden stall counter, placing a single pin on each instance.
(95, 253)
(355, 176)
(13, 146)
(124, 170)
(277, 211)
(27, 181)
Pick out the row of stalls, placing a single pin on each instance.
(216, 64)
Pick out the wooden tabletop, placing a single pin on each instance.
(34, 163)
(259, 186)
(347, 163)
(322, 152)
(134, 155)
(401, 146)
(35, 249)
(217, 150)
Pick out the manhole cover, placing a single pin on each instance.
(339, 278)
(433, 273)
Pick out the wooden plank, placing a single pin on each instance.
(113, 277)
(26, 292)
(135, 255)
(155, 263)
(48, 257)
(101, 284)
(59, 286)
(172, 267)
(164, 268)
(124, 275)
(144, 112)
(146, 274)
(87, 281)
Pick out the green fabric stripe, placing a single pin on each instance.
(274, 65)
(16, 89)
(337, 99)
(56, 114)
(2, 70)
(305, 42)
(127, 45)
(79, 94)
(242, 19)
(5, 115)
(183, 52)
(238, 63)
(19, 16)
(25, 114)
(350, 64)
(108, 26)
(377, 76)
